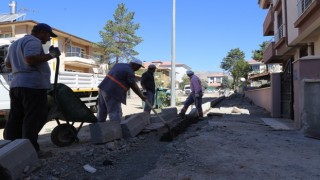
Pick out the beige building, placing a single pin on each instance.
(294, 26)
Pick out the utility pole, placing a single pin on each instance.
(173, 56)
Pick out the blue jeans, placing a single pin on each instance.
(150, 98)
(108, 105)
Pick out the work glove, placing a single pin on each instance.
(197, 95)
(54, 52)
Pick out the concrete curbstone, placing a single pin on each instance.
(103, 132)
(135, 124)
(17, 155)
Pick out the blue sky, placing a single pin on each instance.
(206, 30)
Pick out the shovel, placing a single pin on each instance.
(155, 112)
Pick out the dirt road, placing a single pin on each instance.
(233, 146)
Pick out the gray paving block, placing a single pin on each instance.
(166, 114)
(17, 155)
(206, 106)
(155, 119)
(135, 124)
(4, 142)
(169, 113)
(103, 132)
(193, 113)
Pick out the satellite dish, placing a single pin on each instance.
(243, 79)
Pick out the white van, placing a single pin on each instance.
(187, 90)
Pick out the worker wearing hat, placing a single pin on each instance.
(30, 83)
(113, 90)
(195, 96)
(148, 86)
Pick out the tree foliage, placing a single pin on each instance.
(235, 64)
(185, 81)
(258, 54)
(118, 36)
(233, 56)
(226, 83)
(241, 69)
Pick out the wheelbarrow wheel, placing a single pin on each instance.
(64, 135)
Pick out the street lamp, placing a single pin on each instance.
(173, 48)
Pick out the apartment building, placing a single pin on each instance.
(294, 26)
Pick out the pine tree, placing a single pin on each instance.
(118, 36)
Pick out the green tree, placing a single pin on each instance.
(229, 63)
(258, 53)
(241, 69)
(118, 36)
(226, 83)
(185, 81)
(204, 84)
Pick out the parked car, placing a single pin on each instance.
(187, 89)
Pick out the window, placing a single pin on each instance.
(5, 35)
(218, 79)
(74, 51)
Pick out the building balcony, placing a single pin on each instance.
(264, 4)
(268, 23)
(308, 14)
(270, 56)
(79, 60)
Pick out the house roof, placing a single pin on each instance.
(56, 31)
(168, 64)
(146, 64)
(251, 62)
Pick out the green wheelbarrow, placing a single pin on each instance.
(65, 105)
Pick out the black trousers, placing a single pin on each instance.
(28, 114)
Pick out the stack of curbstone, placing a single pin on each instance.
(130, 127)
(136, 123)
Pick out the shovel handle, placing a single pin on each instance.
(155, 112)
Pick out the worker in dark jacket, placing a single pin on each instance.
(149, 86)
(113, 90)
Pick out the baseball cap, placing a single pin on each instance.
(137, 61)
(152, 66)
(189, 73)
(45, 27)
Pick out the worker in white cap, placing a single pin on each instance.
(148, 86)
(113, 90)
(195, 96)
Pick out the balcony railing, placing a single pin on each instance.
(280, 33)
(303, 6)
(81, 55)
